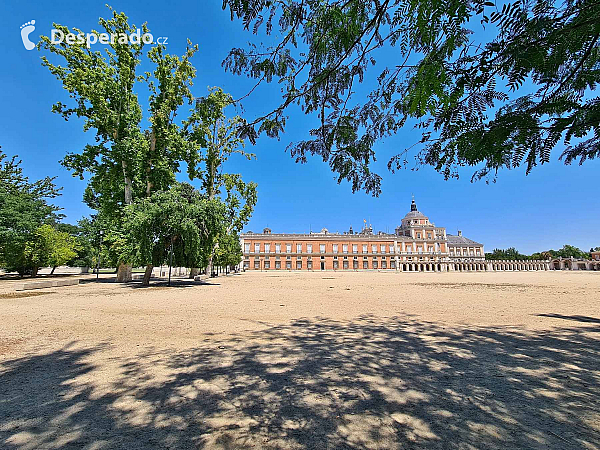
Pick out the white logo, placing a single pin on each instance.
(58, 37)
(26, 30)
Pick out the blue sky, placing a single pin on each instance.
(552, 206)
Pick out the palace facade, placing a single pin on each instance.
(416, 245)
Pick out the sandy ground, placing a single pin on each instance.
(305, 360)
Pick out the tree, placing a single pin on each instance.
(24, 207)
(126, 162)
(510, 254)
(180, 220)
(49, 247)
(229, 251)
(215, 138)
(570, 251)
(489, 85)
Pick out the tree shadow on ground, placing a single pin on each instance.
(154, 282)
(368, 383)
(586, 319)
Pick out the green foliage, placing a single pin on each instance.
(181, 217)
(568, 251)
(490, 85)
(126, 162)
(50, 247)
(131, 171)
(512, 253)
(229, 251)
(216, 139)
(24, 207)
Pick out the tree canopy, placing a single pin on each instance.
(488, 84)
(24, 207)
(180, 217)
(130, 165)
(50, 247)
(512, 254)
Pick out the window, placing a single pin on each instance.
(277, 248)
(430, 249)
(365, 264)
(354, 248)
(345, 264)
(392, 249)
(288, 257)
(336, 265)
(373, 248)
(428, 235)
(267, 248)
(335, 257)
(309, 265)
(299, 258)
(278, 264)
(257, 264)
(418, 235)
(298, 248)
(321, 248)
(246, 248)
(267, 264)
(298, 265)
(246, 264)
(374, 264)
(355, 265)
(256, 248)
(382, 248)
(335, 248)
(288, 248)
(308, 248)
(392, 264)
(409, 249)
(364, 249)
(288, 265)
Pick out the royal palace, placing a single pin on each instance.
(416, 245)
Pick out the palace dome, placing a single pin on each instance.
(414, 212)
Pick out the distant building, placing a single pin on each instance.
(595, 256)
(416, 245)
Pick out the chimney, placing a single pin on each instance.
(459, 233)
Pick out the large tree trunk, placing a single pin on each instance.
(209, 267)
(147, 275)
(53, 269)
(34, 272)
(193, 272)
(124, 273)
(128, 185)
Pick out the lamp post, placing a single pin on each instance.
(101, 233)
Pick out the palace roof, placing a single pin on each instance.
(460, 240)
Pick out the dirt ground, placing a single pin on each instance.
(319, 360)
